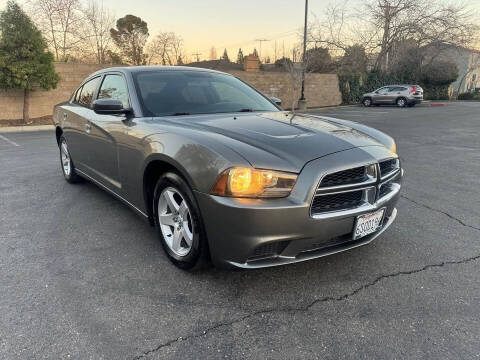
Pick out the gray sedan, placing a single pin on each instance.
(222, 172)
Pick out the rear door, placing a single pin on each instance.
(106, 132)
(397, 92)
(75, 122)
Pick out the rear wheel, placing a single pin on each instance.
(367, 102)
(68, 168)
(177, 218)
(401, 102)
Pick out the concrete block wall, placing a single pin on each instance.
(42, 102)
(320, 90)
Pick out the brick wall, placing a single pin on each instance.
(320, 90)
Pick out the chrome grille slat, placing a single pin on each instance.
(345, 177)
(358, 188)
(388, 167)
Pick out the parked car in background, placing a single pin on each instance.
(401, 95)
(222, 172)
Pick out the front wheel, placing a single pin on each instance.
(367, 102)
(177, 218)
(68, 168)
(401, 102)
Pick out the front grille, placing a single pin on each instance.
(336, 202)
(388, 166)
(346, 177)
(385, 189)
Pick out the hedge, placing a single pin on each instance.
(353, 86)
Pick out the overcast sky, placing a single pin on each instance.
(223, 23)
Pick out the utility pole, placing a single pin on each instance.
(303, 101)
(198, 56)
(260, 41)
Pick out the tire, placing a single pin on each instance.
(66, 162)
(401, 102)
(367, 102)
(179, 223)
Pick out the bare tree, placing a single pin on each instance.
(166, 48)
(378, 25)
(98, 21)
(60, 23)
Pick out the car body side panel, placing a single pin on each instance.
(199, 162)
(70, 118)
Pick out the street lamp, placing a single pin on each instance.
(303, 102)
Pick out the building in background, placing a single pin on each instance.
(468, 65)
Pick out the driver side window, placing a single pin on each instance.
(383, 90)
(114, 87)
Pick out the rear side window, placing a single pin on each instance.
(88, 91)
(76, 96)
(114, 87)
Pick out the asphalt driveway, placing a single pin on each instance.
(82, 276)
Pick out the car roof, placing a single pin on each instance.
(136, 69)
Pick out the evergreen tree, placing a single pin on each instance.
(225, 56)
(240, 57)
(25, 62)
(130, 36)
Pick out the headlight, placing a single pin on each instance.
(254, 183)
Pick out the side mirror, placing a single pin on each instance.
(276, 101)
(109, 107)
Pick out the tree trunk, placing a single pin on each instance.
(26, 106)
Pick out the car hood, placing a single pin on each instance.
(279, 140)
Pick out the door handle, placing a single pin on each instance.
(64, 116)
(88, 128)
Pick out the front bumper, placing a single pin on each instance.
(238, 228)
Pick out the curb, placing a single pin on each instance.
(13, 129)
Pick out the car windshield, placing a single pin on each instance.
(171, 93)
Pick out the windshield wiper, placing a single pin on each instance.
(180, 114)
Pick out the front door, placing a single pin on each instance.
(381, 95)
(106, 132)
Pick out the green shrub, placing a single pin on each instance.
(469, 96)
(353, 86)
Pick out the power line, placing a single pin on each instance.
(198, 56)
(260, 41)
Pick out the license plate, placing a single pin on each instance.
(368, 224)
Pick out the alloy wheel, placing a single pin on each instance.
(175, 221)
(65, 157)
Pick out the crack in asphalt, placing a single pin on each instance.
(461, 222)
(308, 306)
